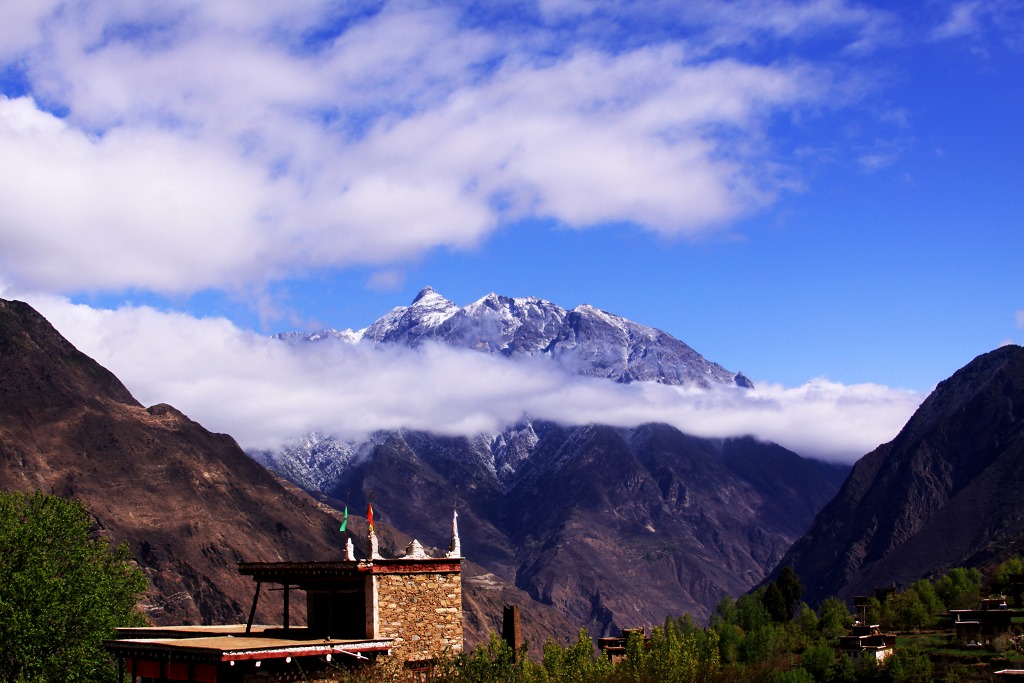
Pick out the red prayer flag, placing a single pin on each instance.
(369, 515)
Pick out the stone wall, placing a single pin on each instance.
(421, 612)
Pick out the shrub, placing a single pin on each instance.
(62, 592)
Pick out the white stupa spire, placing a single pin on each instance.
(455, 549)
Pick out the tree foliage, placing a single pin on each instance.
(62, 592)
(959, 588)
(575, 663)
(905, 611)
(678, 652)
(833, 617)
(782, 595)
(1002, 574)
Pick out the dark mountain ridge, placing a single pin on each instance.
(945, 492)
(189, 503)
(614, 527)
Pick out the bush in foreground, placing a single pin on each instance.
(62, 592)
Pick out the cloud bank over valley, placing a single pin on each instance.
(791, 186)
(267, 393)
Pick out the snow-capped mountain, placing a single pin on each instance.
(690, 519)
(585, 339)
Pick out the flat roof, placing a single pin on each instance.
(297, 572)
(193, 631)
(230, 643)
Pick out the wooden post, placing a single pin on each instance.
(286, 616)
(252, 612)
(330, 613)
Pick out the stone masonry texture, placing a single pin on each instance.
(421, 612)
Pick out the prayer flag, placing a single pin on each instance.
(344, 521)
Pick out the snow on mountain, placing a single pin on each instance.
(585, 339)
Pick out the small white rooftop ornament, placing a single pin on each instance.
(414, 551)
(350, 550)
(455, 549)
(374, 545)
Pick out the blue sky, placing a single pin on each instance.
(822, 191)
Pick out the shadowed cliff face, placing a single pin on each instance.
(612, 527)
(189, 503)
(944, 492)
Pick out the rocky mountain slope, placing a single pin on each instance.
(945, 492)
(584, 339)
(613, 527)
(189, 503)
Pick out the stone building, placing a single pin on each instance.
(993, 619)
(867, 642)
(408, 607)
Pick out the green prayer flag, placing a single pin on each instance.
(344, 522)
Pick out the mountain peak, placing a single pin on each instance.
(424, 293)
(587, 340)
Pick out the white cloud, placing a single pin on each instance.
(962, 21)
(982, 23)
(20, 24)
(748, 21)
(134, 207)
(212, 145)
(266, 393)
(386, 280)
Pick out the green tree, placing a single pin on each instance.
(775, 603)
(677, 652)
(807, 620)
(844, 671)
(819, 661)
(751, 611)
(929, 598)
(907, 666)
(576, 662)
(959, 588)
(730, 637)
(1001, 575)
(833, 617)
(726, 611)
(790, 587)
(759, 645)
(874, 611)
(62, 592)
(494, 660)
(905, 611)
(796, 675)
(781, 595)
